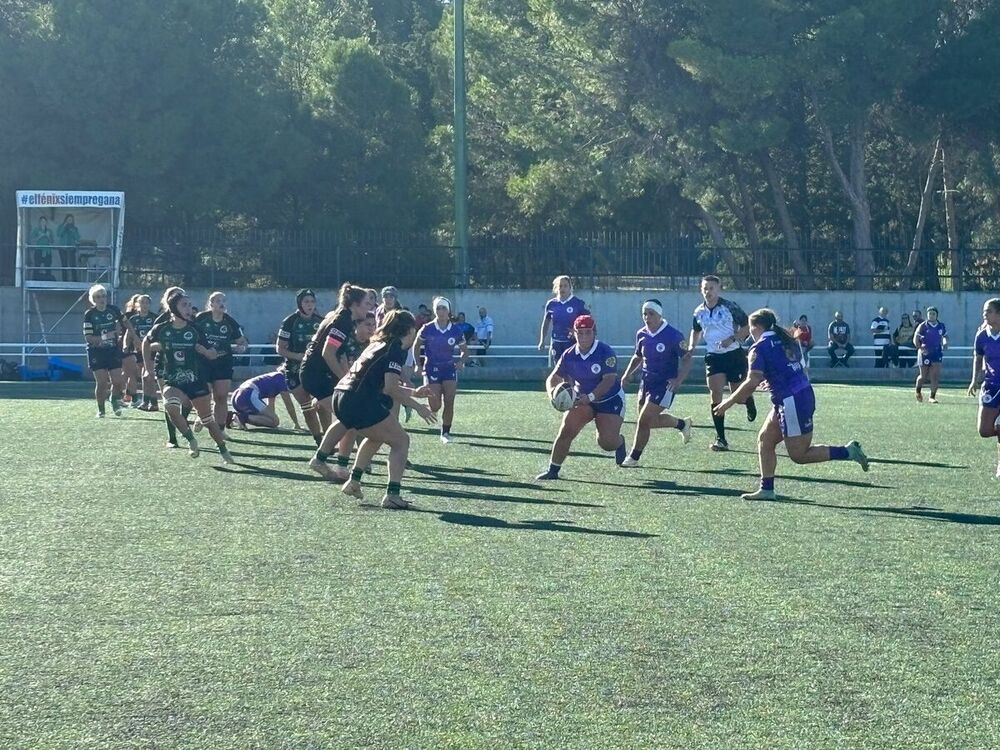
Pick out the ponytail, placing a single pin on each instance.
(768, 320)
(350, 295)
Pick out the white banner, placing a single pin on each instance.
(70, 199)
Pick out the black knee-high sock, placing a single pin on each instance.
(171, 430)
(720, 425)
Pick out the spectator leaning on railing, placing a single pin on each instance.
(885, 352)
(840, 348)
(906, 353)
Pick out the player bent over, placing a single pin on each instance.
(665, 362)
(253, 401)
(591, 368)
(776, 357)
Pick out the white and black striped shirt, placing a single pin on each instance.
(719, 323)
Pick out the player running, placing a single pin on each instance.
(590, 367)
(434, 347)
(253, 401)
(723, 326)
(294, 336)
(224, 335)
(665, 361)
(560, 312)
(141, 320)
(931, 339)
(776, 357)
(986, 374)
(363, 401)
(183, 345)
(103, 328)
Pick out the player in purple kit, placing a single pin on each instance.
(776, 357)
(591, 368)
(438, 340)
(931, 339)
(560, 312)
(253, 400)
(986, 374)
(661, 352)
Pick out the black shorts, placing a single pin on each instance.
(731, 364)
(194, 390)
(109, 358)
(293, 377)
(317, 383)
(360, 412)
(218, 369)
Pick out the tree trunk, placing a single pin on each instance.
(954, 256)
(925, 206)
(798, 261)
(719, 241)
(853, 185)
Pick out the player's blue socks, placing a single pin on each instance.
(839, 453)
(551, 473)
(767, 483)
(620, 452)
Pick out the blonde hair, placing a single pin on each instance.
(558, 280)
(215, 295)
(96, 288)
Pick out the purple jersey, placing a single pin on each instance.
(268, 385)
(988, 347)
(931, 335)
(587, 370)
(562, 315)
(439, 345)
(660, 351)
(784, 375)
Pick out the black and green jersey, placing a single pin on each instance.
(221, 334)
(182, 365)
(141, 324)
(107, 323)
(297, 332)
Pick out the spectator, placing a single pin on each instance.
(423, 316)
(917, 316)
(840, 348)
(390, 301)
(43, 239)
(467, 330)
(484, 333)
(880, 328)
(68, 236)
(906, 353)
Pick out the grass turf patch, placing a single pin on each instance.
(154, 600)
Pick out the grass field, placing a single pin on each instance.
(151, 600)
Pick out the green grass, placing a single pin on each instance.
(149, 600)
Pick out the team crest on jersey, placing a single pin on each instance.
(315, 326)
(188, 335)
(224, 329)
(661, 347)
(179, 356)
(569, 310)
(595, 368)
(610, 362)
(451, 341)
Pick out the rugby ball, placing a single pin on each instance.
(562, 397)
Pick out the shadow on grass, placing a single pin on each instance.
(666, 487)
(307, 443)
(501, 438)
(526, 449)
(489, 522)
(914, 511)
(929, 464)
(498, 498)
(295, 476)
(486, 479)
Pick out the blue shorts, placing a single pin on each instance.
(929, 358)
(557, 348)
(795, 413)
(989, 394)
(614, 405)
(656, 392)
(439, 373)
(247, 401)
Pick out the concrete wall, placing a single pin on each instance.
(518, 313)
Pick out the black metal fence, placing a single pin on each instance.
(155, 258)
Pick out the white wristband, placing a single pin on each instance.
(590, 397)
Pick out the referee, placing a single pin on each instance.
(723, 326)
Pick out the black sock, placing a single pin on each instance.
(445, 429)
(681, 424)
(321, 456)
(393, 488)
(343, 460)
(356, 474)
(636, 454)
(554, 468)
(720, 424)
(318, 439)
(171, 430)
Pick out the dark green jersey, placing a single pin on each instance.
(141, 324)
(220, 335)
(107, 324)
(182, 365)
(297, 332)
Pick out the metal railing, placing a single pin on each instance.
(262, 355)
